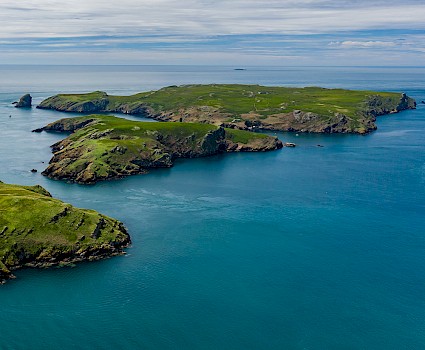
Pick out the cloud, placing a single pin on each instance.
(362, 44)
(47, 18)
(281, 28)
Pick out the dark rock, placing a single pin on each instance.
(212, 140)
(101, 224)
(5, 273)
(24, 102)
(252, 123)
(405, 103)
(33, 170)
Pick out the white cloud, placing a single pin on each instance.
(362, 44)
(172, 31)
(47, 18)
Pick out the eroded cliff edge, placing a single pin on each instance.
(247, 107)
(37, 230)
(106, 147)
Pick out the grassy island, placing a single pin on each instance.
(106, 147)
(310, 109)
(37, 230)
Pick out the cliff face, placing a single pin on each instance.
(248, 107)
(105, 147)
(376, 106)
(95, 102)
(37, 230)
(5, 273)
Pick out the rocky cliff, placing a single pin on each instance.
(37, 230)
(106, 147)
(24, 102)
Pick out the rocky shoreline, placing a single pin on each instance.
(61, 260)
(48, 232)
(105, 147)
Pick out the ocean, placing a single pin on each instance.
(301, 248)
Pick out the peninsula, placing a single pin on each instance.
(310, 109)
(106, 147)
(37, 230)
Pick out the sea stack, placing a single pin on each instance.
(24, 102)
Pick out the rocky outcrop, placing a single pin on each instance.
(24, 102)
(299, 121)
(363, 123)
(5, 273)
(66, 125)
(213, 142)
(48, 232)
(95, 102)
(376, 106)
(105, 147)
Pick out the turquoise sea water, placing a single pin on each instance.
(304, 248)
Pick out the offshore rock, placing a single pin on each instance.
(24, 102)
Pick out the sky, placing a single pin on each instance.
(213, 32)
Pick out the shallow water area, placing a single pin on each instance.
(302, 248)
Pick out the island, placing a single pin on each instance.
(247, 107)
(104, 147)
(37, 230)
(24, 102)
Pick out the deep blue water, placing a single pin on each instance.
(304, 248)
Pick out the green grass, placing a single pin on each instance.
(129, 132)
(35, 225)
(240, 99)
(244, 137)
(85, 97)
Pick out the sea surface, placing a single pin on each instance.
(303, 248)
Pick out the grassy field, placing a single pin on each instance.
(240, 99)
(34, 227)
